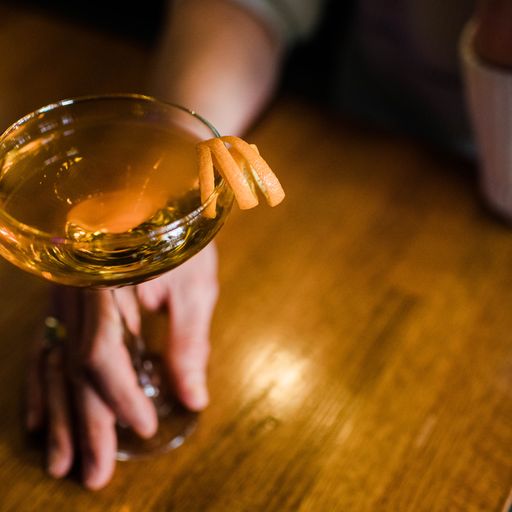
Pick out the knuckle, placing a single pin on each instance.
(201, 291)
(92, 359)
(192, 352)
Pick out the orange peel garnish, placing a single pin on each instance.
(242, 167)
(206, 180)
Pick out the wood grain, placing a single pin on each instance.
(362, 353)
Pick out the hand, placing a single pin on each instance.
(493, 38)
(90, 376)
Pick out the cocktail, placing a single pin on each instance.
(111, 191)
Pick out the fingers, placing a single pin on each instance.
(97, 437)
(60, 443)
(115, 378)
(35, 392)
(192, 299)
(109, 365)
(91, 375)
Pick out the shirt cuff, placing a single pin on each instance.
(291, 20)
(489, 98)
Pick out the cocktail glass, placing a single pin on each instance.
(93, 194)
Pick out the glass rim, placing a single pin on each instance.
(9, 221)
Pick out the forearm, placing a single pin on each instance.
(219, 60)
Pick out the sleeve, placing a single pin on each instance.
(292, 20)
(489, 98)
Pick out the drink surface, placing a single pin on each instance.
(114, 202)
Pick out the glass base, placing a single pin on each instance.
(175, 422)
(173, 428)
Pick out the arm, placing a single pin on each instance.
(218, 59)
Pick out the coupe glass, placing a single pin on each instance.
(123, 157)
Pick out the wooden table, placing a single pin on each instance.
(362, 351)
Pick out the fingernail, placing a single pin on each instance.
(96, 474)
(147, 424)
(197, 397)
(55, 465)
(88, 473)
(92, 482)
(146, 429)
